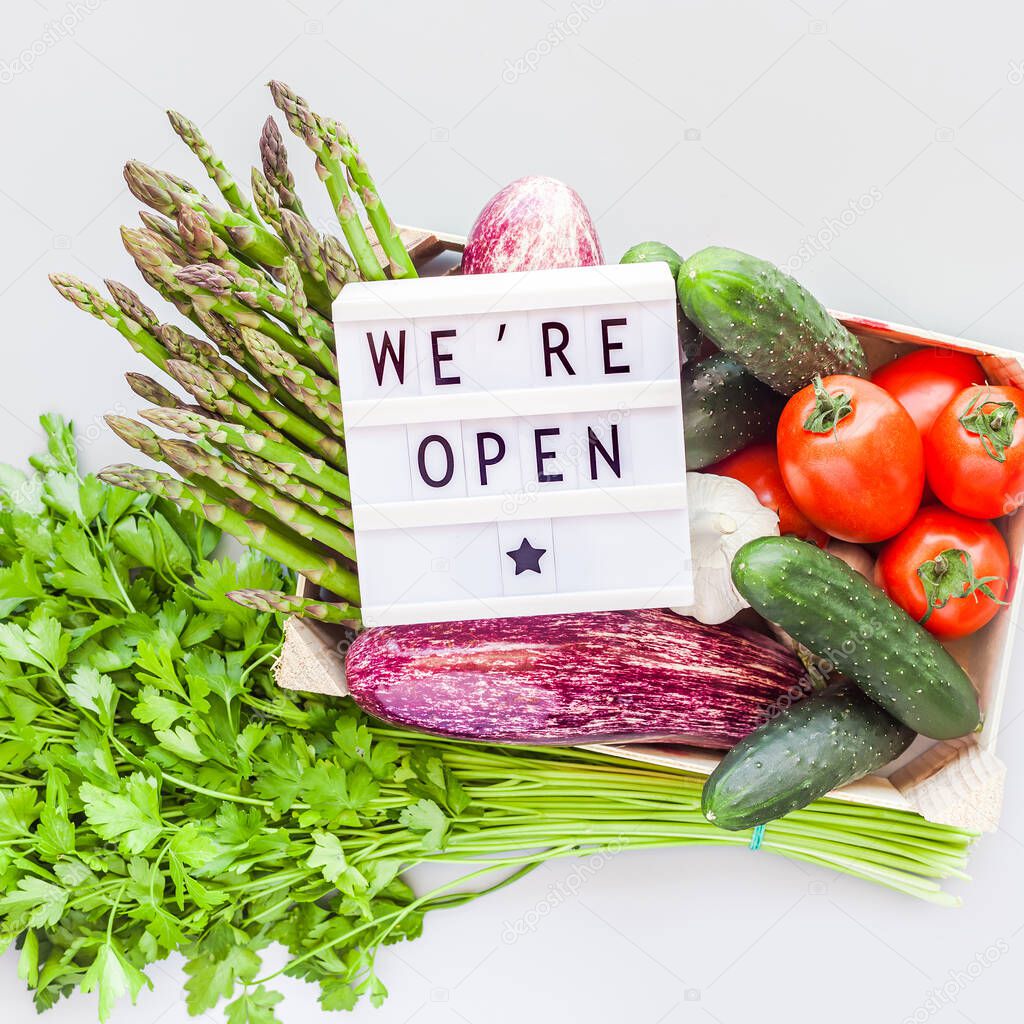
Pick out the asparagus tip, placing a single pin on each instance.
(136, 434)
(132, 478)
(179, 122)
(78, 293)
(131, 304)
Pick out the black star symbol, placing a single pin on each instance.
(526, 557)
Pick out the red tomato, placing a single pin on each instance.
(926, 381)
(974, 452)
(851, 458)
(957, 567)
(757, 466)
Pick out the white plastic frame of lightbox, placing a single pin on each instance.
(646, 286)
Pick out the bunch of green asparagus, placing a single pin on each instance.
(264, 454)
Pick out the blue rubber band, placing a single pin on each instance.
(755, 839)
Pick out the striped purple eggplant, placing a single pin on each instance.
(582, 678)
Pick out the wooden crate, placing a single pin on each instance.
(957, 782)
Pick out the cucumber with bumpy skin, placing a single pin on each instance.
(821, 743)
(724, 409)
(765, 319)
(833, 610)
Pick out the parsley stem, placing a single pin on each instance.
(113, 910)
(234, 798)
(528, 859)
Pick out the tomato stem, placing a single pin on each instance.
(951, 574)
(829, 410)
(993, 426)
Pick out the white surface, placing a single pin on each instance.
(872, 148)
(576, 440)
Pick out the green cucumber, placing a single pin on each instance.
(654, 252)
(765, 319)
(830, 608)
(724, 409)
(805, 752)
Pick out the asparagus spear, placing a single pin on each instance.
(326, 505)
(89, 300)
(151, 259)
(306, 320)
(226, 282)
(317, 135)
(223, 390)
(180, 345)
(164, 286)
(213, 383)
(190, 134)
(195, 462)
(165, 194)
(212, 397)
(172, 250)
(227, 339)
(225, 336)
(131, 304)
(276, 544)
(249, 239)
(138, 435)
(334, 146)
(325, 260)
(202, 243)
(175, 296)
(199, 239)
(339, 267)
(275, 602)
(160, 225)
(154, 392)
(320, 395)
(240, 398)
(182, 184)
(147, 441)
(157, 189)
(211, 392)
(303, 243)
(290, 459)
(275, 166)
(361, 182)
(266, 199)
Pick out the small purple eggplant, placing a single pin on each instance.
(582, 678)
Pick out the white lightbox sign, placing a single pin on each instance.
(515, 443)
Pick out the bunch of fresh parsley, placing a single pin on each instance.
(157, 791)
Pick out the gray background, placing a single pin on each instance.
(756, 125)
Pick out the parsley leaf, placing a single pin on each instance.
(334, 795)
(426, 819)
(42, 643)
(254, 1006)
(112, 976)
(213, 977)
(35, 903)
(19, 810)
(95, 692)
(131, 816)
